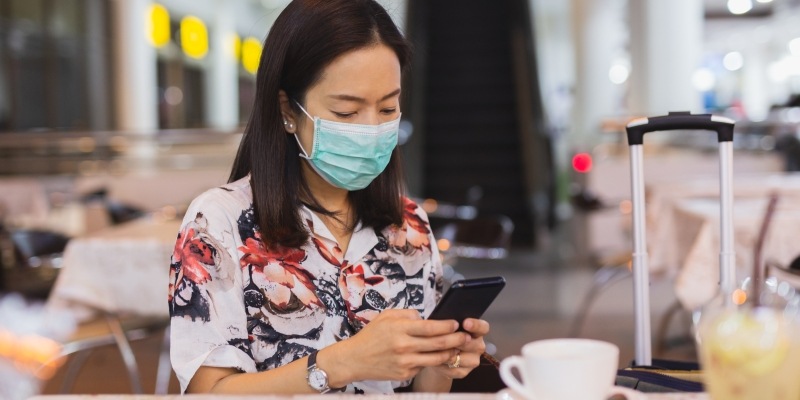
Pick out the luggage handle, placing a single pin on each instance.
(641, 280)
(680, 120)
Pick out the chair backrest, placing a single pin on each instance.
(33, 243)
(481, 237)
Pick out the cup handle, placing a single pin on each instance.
(629, 393)
(506, 367)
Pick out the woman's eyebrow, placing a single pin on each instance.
(357, 99)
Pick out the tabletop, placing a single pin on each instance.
(502, 395)
(121, 269)
(697, 242)
(667, 200)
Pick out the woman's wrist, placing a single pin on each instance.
(337, 364)
(430, 379)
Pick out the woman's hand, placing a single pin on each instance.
(469, 354)
(397, 344)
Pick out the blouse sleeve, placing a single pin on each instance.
(432, 269)
(206, 304)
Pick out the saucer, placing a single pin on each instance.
(509, 394)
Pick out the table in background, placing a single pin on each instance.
(697, 242)
(664, 230)
(123, 269)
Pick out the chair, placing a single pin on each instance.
(40, 250)
(790, 273)
(487, 237)
(110, 330)
(118, 212)
(34, 257)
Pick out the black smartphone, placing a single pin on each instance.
(468, 298)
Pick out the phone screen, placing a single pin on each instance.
(468, 298)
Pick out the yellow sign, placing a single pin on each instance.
(158, 25)
(251, 54)
(194, 37)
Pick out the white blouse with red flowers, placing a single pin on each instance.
(235, 304)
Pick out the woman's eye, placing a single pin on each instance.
(389, 111)
(343, 115)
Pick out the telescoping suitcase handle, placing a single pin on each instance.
(636, 130)
(680, 120)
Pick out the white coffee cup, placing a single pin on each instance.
(565, 369)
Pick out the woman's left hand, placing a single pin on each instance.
(469, 355)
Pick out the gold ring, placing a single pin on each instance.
(456, 363)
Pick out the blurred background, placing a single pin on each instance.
(114, 114)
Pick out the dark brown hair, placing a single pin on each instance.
(306, 37)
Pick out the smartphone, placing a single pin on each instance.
(468, 298)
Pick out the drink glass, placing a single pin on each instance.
(751, 350)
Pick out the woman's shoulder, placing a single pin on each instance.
(411, 207)
(228, 200)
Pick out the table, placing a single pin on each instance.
(405, 396)
(122, 269)
(697, 242)
(666, 235)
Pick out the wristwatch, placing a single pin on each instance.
(317, 378)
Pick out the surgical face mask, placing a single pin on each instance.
(350, 156)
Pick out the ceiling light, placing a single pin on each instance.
(739, 7)
(733, 61)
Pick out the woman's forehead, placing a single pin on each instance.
(370, 73)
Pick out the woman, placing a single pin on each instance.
(309, 271)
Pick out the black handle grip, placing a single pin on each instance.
(680, 120)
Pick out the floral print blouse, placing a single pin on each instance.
(235, 304)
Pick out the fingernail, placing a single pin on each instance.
(469, 338)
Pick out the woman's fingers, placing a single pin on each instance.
(430, 328)
(442, 342)
(476, 327)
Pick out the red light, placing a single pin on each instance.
(582, 162)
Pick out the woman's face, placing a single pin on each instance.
(360, 87)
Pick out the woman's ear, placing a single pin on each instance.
(289, 123)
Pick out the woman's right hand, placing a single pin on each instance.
(394, 346)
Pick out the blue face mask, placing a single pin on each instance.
(350, 156)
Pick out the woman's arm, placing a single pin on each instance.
(397, 345)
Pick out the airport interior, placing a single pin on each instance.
(515, 139)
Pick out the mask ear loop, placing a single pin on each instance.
(304, 154)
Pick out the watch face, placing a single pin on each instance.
(318, 380)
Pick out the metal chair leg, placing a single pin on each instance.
(602, 278)
(125, 350)
(74, 365)
(663, 326)
(164, 370)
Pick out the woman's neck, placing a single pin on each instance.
(330, 197)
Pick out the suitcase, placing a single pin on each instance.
(641, 281)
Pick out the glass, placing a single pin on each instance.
(751, 349)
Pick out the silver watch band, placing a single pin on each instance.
(316, 375)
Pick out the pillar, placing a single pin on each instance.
(666, 41)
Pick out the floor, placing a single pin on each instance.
(542, 295)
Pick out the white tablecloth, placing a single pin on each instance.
(666, 235)
(122, 269)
